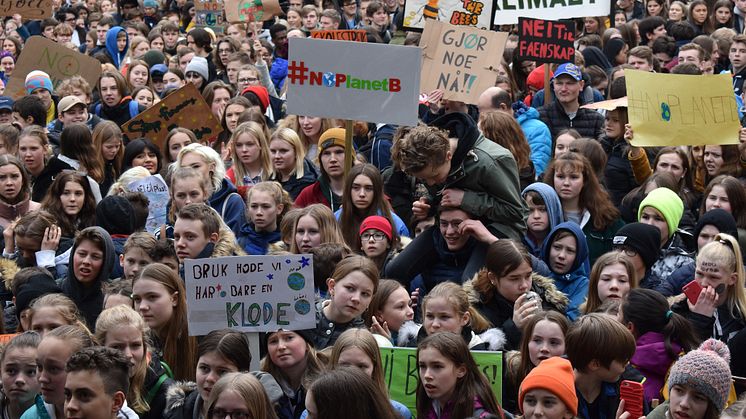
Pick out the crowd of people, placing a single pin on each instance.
(519, 223)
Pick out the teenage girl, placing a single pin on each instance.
(266, 204)
(237, 394)
(91, 262)
(661, 337)
(447, 309)
(499, 291)
(107, 140)
(377, 240)
(15, 195)
(362, 197)
(329, 396)
(351, 288)
(289, 164)
(566, 254)
(188, 186)
(20, 383)
(584, 201)
(612, 278)
(315, 225)
(142, 152)
(389, 309)
(71, 202)
(719, 310)
(543, 338)
(176, 139)
(122, 328)
(451, 384)
(292, 361)
(34, 151)
(220, 352)
(250, 156)
(727, 193)
(51, 356)
(52, 311)
(161, 300)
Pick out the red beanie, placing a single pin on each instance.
(261, 93)
(535, 78)
(376, 222)
(554, 375)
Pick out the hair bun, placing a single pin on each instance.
(720, 348)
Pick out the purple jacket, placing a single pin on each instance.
(447, 411)
(653, 361)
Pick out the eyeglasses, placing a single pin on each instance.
(248, 80)
(628, 251)
(444, 224)
(222, 414)
(375, 236)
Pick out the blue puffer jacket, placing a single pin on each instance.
(573, 284)
(554, 213)
(117, 57)
(537, 133)
(229, 204)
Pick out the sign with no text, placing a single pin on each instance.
(183, 108)
(337, 79)
(474, 13)
(546, 41)
(238, 11)
(357, 35)
(28, 9)
(250, 293)
(665, 109)
(54, 59)
(401, 374)
(460, 61)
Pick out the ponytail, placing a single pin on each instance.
(680, 330)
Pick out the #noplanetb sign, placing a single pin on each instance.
(507, 12)
(250, 293)
(338, 79)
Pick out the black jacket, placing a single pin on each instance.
(41, 183)
(587, 122)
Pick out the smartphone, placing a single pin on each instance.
(692, 290)
(633, 394)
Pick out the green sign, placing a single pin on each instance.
(400, 373)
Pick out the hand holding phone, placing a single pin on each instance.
(633, 394)
(692, 291)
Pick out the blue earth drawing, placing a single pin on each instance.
(302, 307)
(329, 79)
(296, 281)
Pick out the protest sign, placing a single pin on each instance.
(250, 293)
(4, 339)
(241, 11)
(28, 9)
(546, 41)
(54, 59)
(209, 14)
(668, 110)
(474, 13)
(155, 188)
(507, 12)
(401, 374)
(460, 61)
(183, 108)
(338, 79)
(357, 35)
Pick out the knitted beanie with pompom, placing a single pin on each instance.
(705, 370)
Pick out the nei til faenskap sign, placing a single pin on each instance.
(340, 79)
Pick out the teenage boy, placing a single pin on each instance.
(199, 233)
(737, 57)
(641, 58)
(97, 383)
(72, 110)
(599, 348)
(137, 254)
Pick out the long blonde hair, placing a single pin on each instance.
(254, 130)
(724, 251)
(457, 297)
(363, 340)
(122, 316)
(251, 391)
(593, 302)
(292, 138)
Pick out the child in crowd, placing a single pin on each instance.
(661, 337)
(266, 204)
(566, 253)
(548, 391)
(250, 157)
(238, 394)
(451, 384)
(136, 254)
(199, 232)
(314, 225)
(389, 309)
(599, 348)
(52, 311)
(612, 277)
(188, 186)
(351, 288)
(377, 240)
(544, 213)
(329, 398)
(19, 379)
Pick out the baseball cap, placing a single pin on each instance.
(67, 102)
(568, 69)
(6, 103)
(158, 70)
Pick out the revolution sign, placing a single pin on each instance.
(507, 12)
(337, 79)
(546, 41)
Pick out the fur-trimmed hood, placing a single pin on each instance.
(177, 395)
(227, 245)
(540, 284)
(490, 340)
(8, 271)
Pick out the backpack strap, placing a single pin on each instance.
(225, 203)
(154, 390)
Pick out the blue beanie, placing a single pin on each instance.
(38, 80)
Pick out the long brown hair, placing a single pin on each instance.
(504, 130)
(351, 217)
(76, 142)
(502, 257)
(593, 197)
(736, 197)
(179, 349)
(52, 203)
(594, 301)
(105, 131)
(525, 366)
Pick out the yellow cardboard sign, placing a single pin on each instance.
(677, 109)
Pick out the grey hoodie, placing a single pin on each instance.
(554, 212)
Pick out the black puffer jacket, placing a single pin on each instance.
(618, 175)
(587, 122)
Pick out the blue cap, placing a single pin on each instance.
(158, 69)
(568, 69)
(6, 103)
